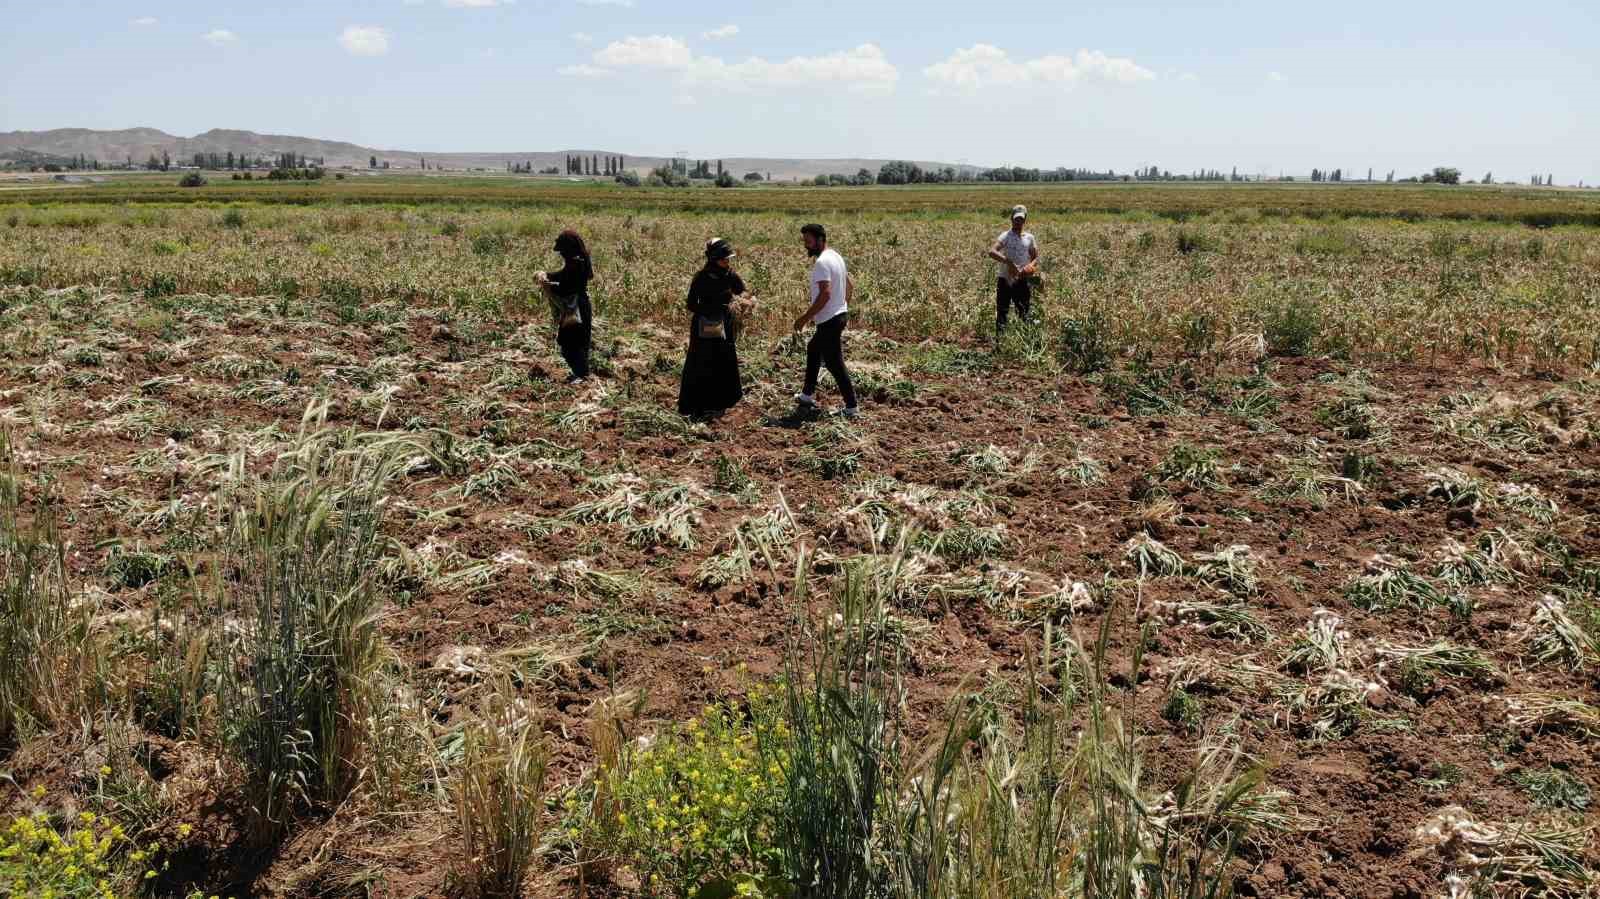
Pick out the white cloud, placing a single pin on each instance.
(627, 4)
(477, 4)
(413, 2)
(985, 65)
(144, 21)
(220, 37)
(1187, 76)
(583, 37)
(1276, 76)
(365, 40)
(717, 34)
(584, 70)
(684, 100)
(653, 52)
(864, 68)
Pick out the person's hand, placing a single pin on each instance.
(1015, 272)
(800, 323)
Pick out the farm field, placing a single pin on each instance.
(1542, 207)
(1265, 562)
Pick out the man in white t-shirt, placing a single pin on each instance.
(1018, 255)
(830, 288)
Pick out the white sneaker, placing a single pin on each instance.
(850, 412)
(804, 401)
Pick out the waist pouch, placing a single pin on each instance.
(707, 328)
(567, 313)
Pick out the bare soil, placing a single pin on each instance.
(1363, 794)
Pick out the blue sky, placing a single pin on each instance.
(1508, 88)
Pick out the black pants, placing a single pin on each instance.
(1005, 294)
(826, 347)
(574, 341)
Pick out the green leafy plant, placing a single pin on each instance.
(1291, 327)
(1190, 465)
(1192, 240)
(1085, 344)
(91, 858)
(1553, 788)
(697, 806)
(1184, 709)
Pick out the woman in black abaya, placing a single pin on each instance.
(568, 292)
(711, 369)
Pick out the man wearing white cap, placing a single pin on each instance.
(1018, 255)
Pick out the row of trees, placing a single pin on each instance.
(596, 165)
(373, 163)
(230, 161)
(683, 170)
(222, 162)
(903, 172)
(292, 160)
(1441, 175)
(303, 173)
(79, 163)
(679, 173)
(1151, 173)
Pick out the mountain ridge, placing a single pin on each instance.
(138, 144)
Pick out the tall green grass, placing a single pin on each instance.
(1056, 802)
(47, 665)
(302, 686)
(1051, 801)
(843, 690)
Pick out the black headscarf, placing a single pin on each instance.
(573, 249)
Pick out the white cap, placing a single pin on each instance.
(1019, 211)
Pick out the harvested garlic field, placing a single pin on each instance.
(1263, 562)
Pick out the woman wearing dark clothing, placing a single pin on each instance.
(711, 369)
(568, 292)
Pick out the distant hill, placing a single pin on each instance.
(138, 144)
